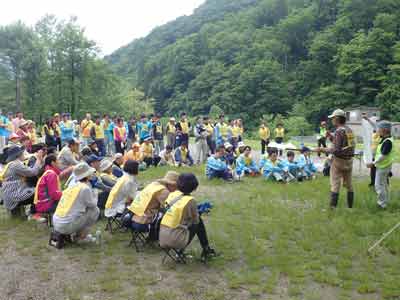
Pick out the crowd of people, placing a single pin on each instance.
(77, 172)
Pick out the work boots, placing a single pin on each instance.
(350, 199)
(334, 199)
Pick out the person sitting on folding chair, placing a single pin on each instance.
(123, 192)
(181, 221)
(147, 204)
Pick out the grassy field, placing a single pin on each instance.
(277, 242)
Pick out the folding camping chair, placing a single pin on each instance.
(178, 256)
(114, 223)
(140, 234)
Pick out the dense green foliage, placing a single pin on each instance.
(256, 57)
(53, 67)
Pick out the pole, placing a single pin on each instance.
(383, 237)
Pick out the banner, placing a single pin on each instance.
(367, 131)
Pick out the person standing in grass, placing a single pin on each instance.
(221, 131)
(120, 136)
(280, 135)
(265, 135)
(322, 131)
(342, 161)
(384, 158)
(200, 133)
(97, 134)
(170, 130)
(108, 127)
(4, 132)
(210, 134)
(67, 129)
(86, 126)
(182, 130)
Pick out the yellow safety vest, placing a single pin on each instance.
(223, 130)
(171, 128)
(36, 197)
(389, 159)
(280, 132)
(375, 141)
(115, 190)
(105, 175)
(133, 155)
(247, 160)
(147, 150)
(184, 153)
(121, 131)
(99, 131)
(185, 127)
(210, 129)
(159, 128)
(3, 172)
(236, 131)
(264, 133)
(174, 214)
(86, 126)
(68, 199)
(142, 200)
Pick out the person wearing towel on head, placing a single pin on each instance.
(77, 209)
(384, 158)
(106, 174)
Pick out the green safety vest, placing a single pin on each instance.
(389, 159)
(322, 131)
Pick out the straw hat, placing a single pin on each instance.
(170, 178)
(172, 119)
(82, 170)
(117, 156)
(105, 164)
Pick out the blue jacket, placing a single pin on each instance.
(144, 129)
(307, 165)
(67, 132)
(4, 131)
(245, 167)
(269, 167)
(215, 165)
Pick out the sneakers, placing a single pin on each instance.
(38, 218)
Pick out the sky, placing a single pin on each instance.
(111, 23)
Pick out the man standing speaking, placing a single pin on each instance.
(343, 152)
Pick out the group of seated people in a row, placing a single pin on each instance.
(96, 186)
(222, 165)
(147, 157)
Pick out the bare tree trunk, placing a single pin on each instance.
(17, 92)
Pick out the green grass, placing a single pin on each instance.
(277, 242)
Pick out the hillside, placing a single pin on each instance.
(257, 57)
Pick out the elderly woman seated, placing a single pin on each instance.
(77, 210)
(147, 204)
(15, 191)
(181, 221)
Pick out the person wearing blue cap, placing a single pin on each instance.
(384, 158)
